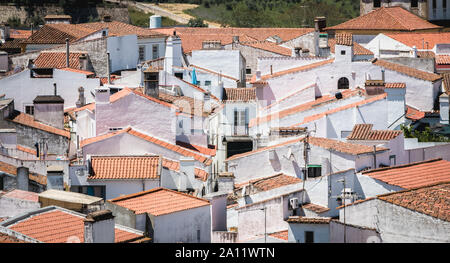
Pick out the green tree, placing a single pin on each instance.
(196, 22)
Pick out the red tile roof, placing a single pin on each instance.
(268, 46)
(210, 150)
(412, 72)
(343, 147)
(395, 85)
(421, 40)
(414, 174)
(386, 18)
(58, 60)
(308, 220)
(304, 107)
(19, 33)
(344, 39)
(195, 107)
(58, 226)
(443, 59)
(358, 50)
(365, 132)
(125, 167)
(181, 150)
(414, 114)
(239, 94)
(432, 200)
(280, 235)
(12, 170)
(175, 166)
(159, 201)
(316, 208)
(28, 120)
(271, 182)
(292, 70)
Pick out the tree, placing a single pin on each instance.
(196, 22)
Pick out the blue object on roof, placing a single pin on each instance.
(194, 77)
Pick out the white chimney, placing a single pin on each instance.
(102, 95)
(396, 106)
(187, 170)
(444, 108)
(99, 227)
(207, 102)
(414, 52)
(173, 53)
(258, 75)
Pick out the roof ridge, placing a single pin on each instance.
(401, 166)
(395, 18)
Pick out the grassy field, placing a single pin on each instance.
(139, 18)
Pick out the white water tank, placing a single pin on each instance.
(155, 21)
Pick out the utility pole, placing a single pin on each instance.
(265, 225)
(305, 157)
(343, 196)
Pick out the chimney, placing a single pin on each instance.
(81, 99)
(187, 170)
(235, 41)
(320, 23)
(226, 182)
(55, 89)
(49, 109)
(22, 178)
(83, 62)
(151, 82)
(173, 54)
(99, 227)
(102, 95)
(67, 53)
(207, 102)
(444, 108)
(382, 76)
(374, 87)
(108, 67)
(414, 52)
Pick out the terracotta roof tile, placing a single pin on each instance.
(308, 220)
(12, 170)
(195, 106)
(280, 235)
(268, 46)
(412, 72)
(425, 54)
(344, 147)
(432, 200)
(316, 208)
(414, 114)
(19, 33)
(28, 120)
(58, 60)
(443, 59)
(358, 50)
(304, 107)
(26, 149)
(421, 40)
(239, 94)
(125, 167)
(210, 150)
(159, 201)
(386, 18)
(344, 39)
(414, 174)
(57, 34)
(365, 132)
(271, 182)
(395, 85)
(57, 226)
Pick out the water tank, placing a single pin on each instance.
(155, 21)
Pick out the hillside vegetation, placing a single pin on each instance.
(271, 13)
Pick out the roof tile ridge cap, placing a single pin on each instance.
(188, 195)
(410, 189)
(402, 165)
(395, 19)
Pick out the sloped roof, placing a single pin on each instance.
(239, 94)
(57, 34)
(358, 50)
(12, 170)
(343, 147)
(395, 85)
(412, 72)
(414, 114)
(344, 39)
(125, 167)
(60, 226)
(58, 60)
(316, 208)
(365, 132)
(443, 59)
(28, 120)
(414, 174)
(159, 201)
(421, 40)
(386, 18)
(271, 182)
(175, 166)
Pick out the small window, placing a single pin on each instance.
(309, 236)
(141, 53)
(179, 75)
(414, 3)
(314, 171)
(343, 83)
(376, 3)
(434, 4)
(104, 33)
(1, 182)
(29, 110)
(392, 160)
(342, 52)
(198, 235)
(444, 3)
(207, 82)
(248, 71)
(155, 52)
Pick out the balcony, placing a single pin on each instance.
(240, 130)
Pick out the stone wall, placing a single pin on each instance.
(366, 6)
(79, 15)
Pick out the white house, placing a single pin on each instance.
(405, 216)
(167, 216)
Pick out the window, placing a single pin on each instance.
(392, 160)
(434, 4)
(376, 3)
(1, 182)
(240, 122)
(314, 171)
(342, 52)
(29, 110)
(155, 52)
(444, 3)
(343, 83)
(414, 3)
(179, 75)
(309, 236)
(141, 53)
(248, 71)
(198, 235)
(207, 82)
